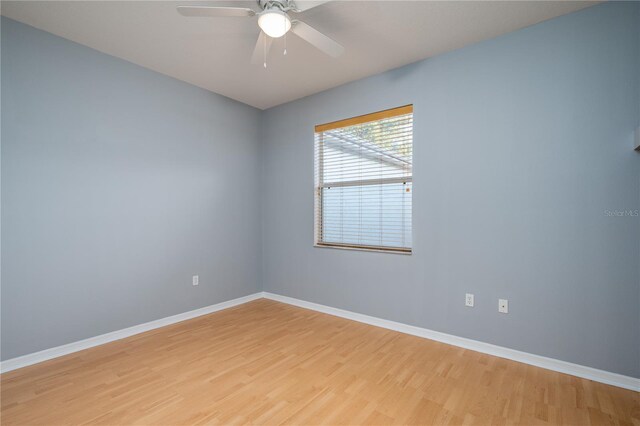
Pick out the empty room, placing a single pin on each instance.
(322, 212)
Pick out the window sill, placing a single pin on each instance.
(369, 249)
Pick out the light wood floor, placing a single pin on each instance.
(270, 363)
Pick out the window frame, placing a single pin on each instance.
(319, 185)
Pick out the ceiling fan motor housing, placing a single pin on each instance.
(283, 5)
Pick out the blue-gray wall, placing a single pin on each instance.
(521, 146)
(118, 185)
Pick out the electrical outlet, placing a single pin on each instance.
(503, 306)
(195, 280)
(468, 300)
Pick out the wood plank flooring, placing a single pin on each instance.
(270, 363)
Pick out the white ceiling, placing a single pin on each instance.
(214, 53)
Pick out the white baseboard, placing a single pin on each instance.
(487, 348)
(47, 354)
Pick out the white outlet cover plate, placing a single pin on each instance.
(503, 306)
(195, 280)
(468, 300)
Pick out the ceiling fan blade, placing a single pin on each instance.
(317, 39)
(302, 5)
(260, 49)
(212, 11)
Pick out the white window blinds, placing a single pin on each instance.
(363, 169)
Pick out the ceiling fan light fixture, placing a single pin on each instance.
(275, 23)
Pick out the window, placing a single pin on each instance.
(363, 169)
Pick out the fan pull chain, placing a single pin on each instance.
(265, 51)
(285, 37)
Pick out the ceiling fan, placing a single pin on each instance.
(274, 22)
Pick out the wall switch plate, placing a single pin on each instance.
(503, 306)
(468, 300)
(195, 280)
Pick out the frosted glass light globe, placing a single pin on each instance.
(275, 23)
